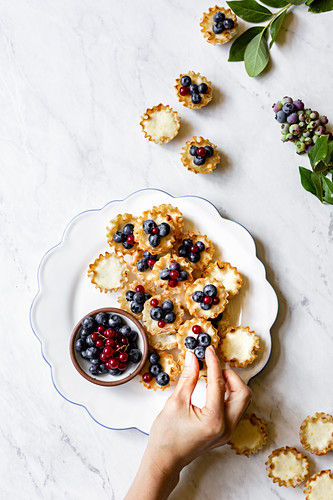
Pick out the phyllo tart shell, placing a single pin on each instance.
(169, 366)
(319, 486)
(160, 124)
(239, 346)
(188, 160)
(152, 325)
(249, 436)
(195, 308)
(109, 272)
(287, 466)
(164, 263)
(125, 304)
(186, 100)
(316, 433)
(116, 225)
(205, 256)
(227, 274)
(207, 26)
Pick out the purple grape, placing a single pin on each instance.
(293, 118)
(299, 105)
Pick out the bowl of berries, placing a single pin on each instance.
(109, 346)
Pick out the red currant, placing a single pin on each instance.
(122, 366)
(216, 300)
(94, 336)
(99, 343)
(194, 249)
(140, 289)
(147, 377)
(109, 342)
(108, 351)
(118, 346)
(151, 262)
(208, 300)
(201, 152)
(154, 302)
(109, 333)
(100, 329)
(124, 340)
(130, 239)
(174, 275)
(196, 329)
(114, 363)
(103, 357)
(155, 230)
(172, 283)
(123, 356)
(161, 324)
(184, 90)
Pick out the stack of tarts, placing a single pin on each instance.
(168, 279)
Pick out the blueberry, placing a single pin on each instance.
(135, 355)
(80, 345)
(133, 337)
(154, 240)
(88, 323)
(162, 379)
(92, 352)
(129, 295)
(203, 88)
(288, 108)
(215, 321)
(165, 274)
(190, 342)
(187, 242)
(193, 150)
(185, 81)
(90, 342)
(136, 308)
(154, 358)
(183, 275)
(84, 354)
(219, 17)
(167, 305)
(155, 369)
(198, 296)
(205, 307)
(164, 229)
(142, 265)
(102, 318)
(148, 226)
(196, 98)
(118, 237)
(210, 291)
(147, 296)
(204, 339)
(115, 371)
(280, 116)
(170, 317)
(182, 251)
(95, 361)
(128, 229)
(148, 255)
(93, 370)
(156, 313)
(228, 24)
(127, 245)
(200, 364)
(139, 297)
(218, 28)
(209, 151)
(199, 160)
(115, 321)
(194, 256)
(174, 266)
(193, 88)
(199, 352)
(83, 333)
(102, 368)
(200, 246)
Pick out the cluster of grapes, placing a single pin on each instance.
(299, 125)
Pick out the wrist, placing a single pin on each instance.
(162, 462)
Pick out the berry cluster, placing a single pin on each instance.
(137, 299)
(191, 251)
(125, 236)
(200, 154)
(222, 23)
(199, 344)
(192, 88)
(108, 343)
(163, 314)
(155, 370)
(173, 274)
(147, 262)
(299, 125)
(207, 298)
(155, 232)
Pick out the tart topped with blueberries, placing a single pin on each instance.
(197, 249)
(159, 370)
(218, 25)
(200, 156)
(120, 233)
(173, 273)
(193, 90)
(133, 297)
(162, 314)
(160, 124)
(206, 298)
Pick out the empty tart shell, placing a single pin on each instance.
(186, 331)
(239, 346)
(250, 435)
(316, 433)
(188, 160)
(287, 466)
(126, 304)
(109, 272)
(205, 256)
(186, 99)
(169, 366)
(319, 486)
(160, 124)
(116, 225)
(227, 274)
(162, 342)
(152, 326)
(164, 263)
(207, 26)
(195, 308)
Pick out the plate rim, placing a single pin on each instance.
(99, 210)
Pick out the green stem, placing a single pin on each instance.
(277, 14)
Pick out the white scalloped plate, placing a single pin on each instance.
(65, 295)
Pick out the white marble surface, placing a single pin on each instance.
(75, 77)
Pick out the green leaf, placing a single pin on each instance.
(309, 2)
(317, 180)
(318, 6)
(256, 55)
(328, 188)
(319, 151)
(297, 2)
(250, 10)
(320, 166)
(237, 49)
(277, 4)
(329, 157)
(276, 26)
(306, 181)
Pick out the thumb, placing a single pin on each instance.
(189, 377)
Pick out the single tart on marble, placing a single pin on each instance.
(206, 298)
(193, 90)
(134, 295)
(162, 314)
(160, 124)
(239, 346)
(109, 272)
(319, 486)
(249, 436)
(120, 233)
(173, 273)
(162, 342)
(218, 25)
(159, 370)
(226, 274)
(287, 466)
(197, 249)
(200, 156)
(316, 433)
(196, 335)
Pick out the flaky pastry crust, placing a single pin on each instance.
(250, 435)
(148, 116)
(186, 99)
(288, 458)
(159, 214)
(207, 26)
(195, 308)
(227, 274)
(319, 486)
(187, 159)
(316, 433)
(109, 272)
(169, 366)
(162, 342)
(233, 341)
(115, 225)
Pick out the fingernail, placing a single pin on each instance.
(211, 348)
(188, 358)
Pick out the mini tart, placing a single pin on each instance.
(146, 275)
(186, 331)
(116, 225)
(164, 263)
(187, 159)
(228, 275)
(207, 26)
(195, 308)
(223, 321)
(249, 436)
(186, 99)
(238, 346)
(109, 272)
(319, 486)
(287, 466)
(152, 326)
(316, 433)
(205, 256)
(162, 213)
(126, 304)
(160, 124)
(162, 342)
(169, 366)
